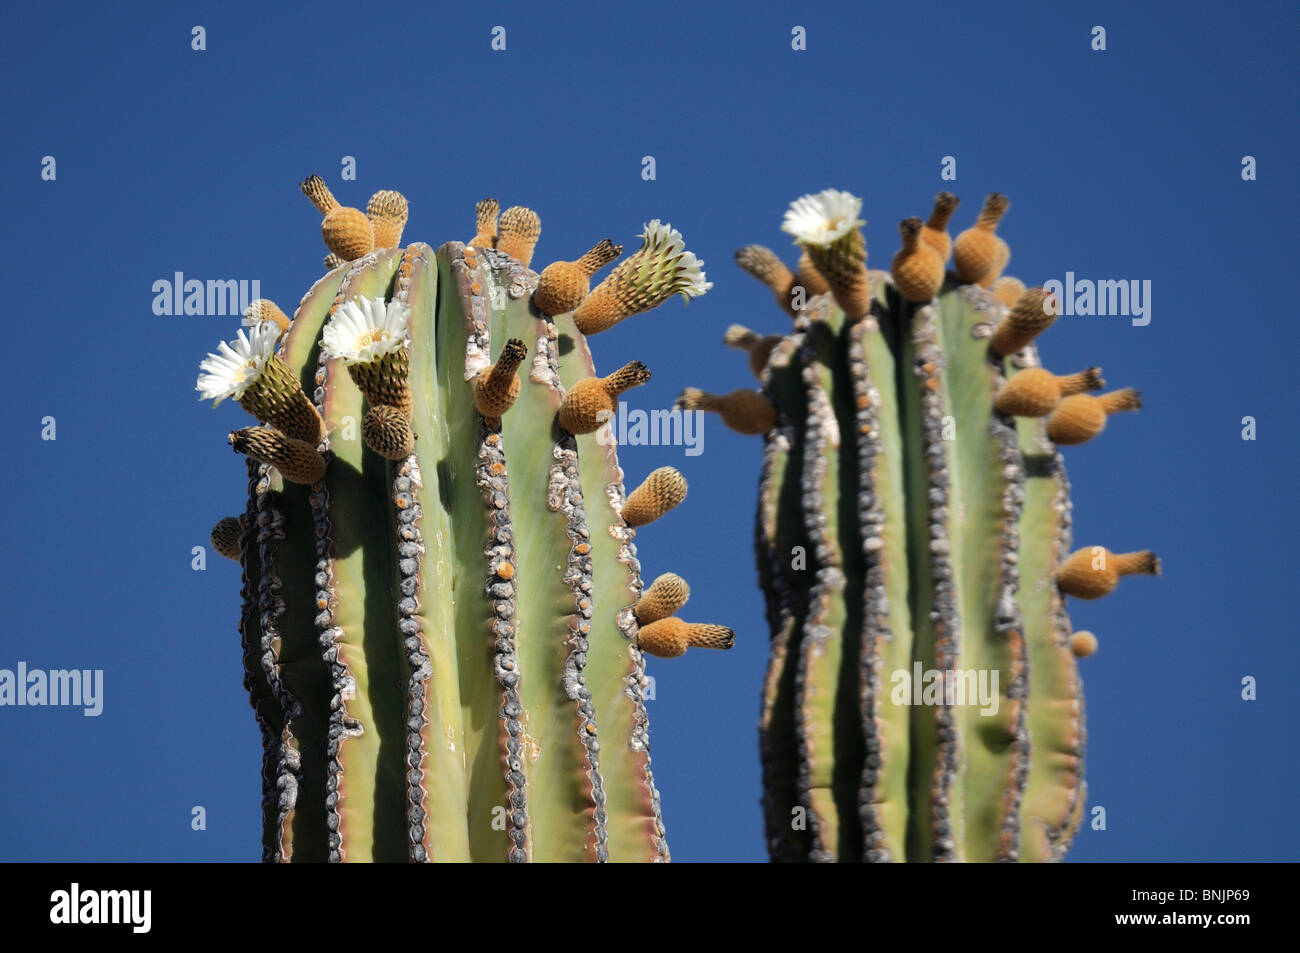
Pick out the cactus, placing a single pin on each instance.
(438, 626)
(907, 525)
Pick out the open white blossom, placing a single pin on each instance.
(822, 218)
(365, 330)
(237, 364)
(674, 270)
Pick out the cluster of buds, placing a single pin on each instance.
(666, 636)
(349, 233)
(369, 336)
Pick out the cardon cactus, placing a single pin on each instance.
(913, 530)
(439, 623)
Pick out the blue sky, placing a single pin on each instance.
(1124, 163)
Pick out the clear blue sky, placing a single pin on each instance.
(1123, 163)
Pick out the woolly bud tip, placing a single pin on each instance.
(333, 261)
(910, 230)
(662, 490)
(227, 537)
(740, 337)
(517, 233)
(496, 390)
(318, 192)
(297, 460)
(264, 310)
(387, 431)
(670, 637)
(631, 374)
(485, 223)
(758, 347)
(666, 595)
(1083, 644)
(1087, 379)
(764, 265)
(1124, 399)
(945, 203)
(744, 411)
(995, 206)
(600, 255)
(388, 212)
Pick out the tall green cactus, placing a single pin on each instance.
(439, 637)
(905, 524)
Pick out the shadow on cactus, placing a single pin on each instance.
(441, 592)
(922, 701)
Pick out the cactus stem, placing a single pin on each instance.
(744, 411)
(662, 490)
(496, 389)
